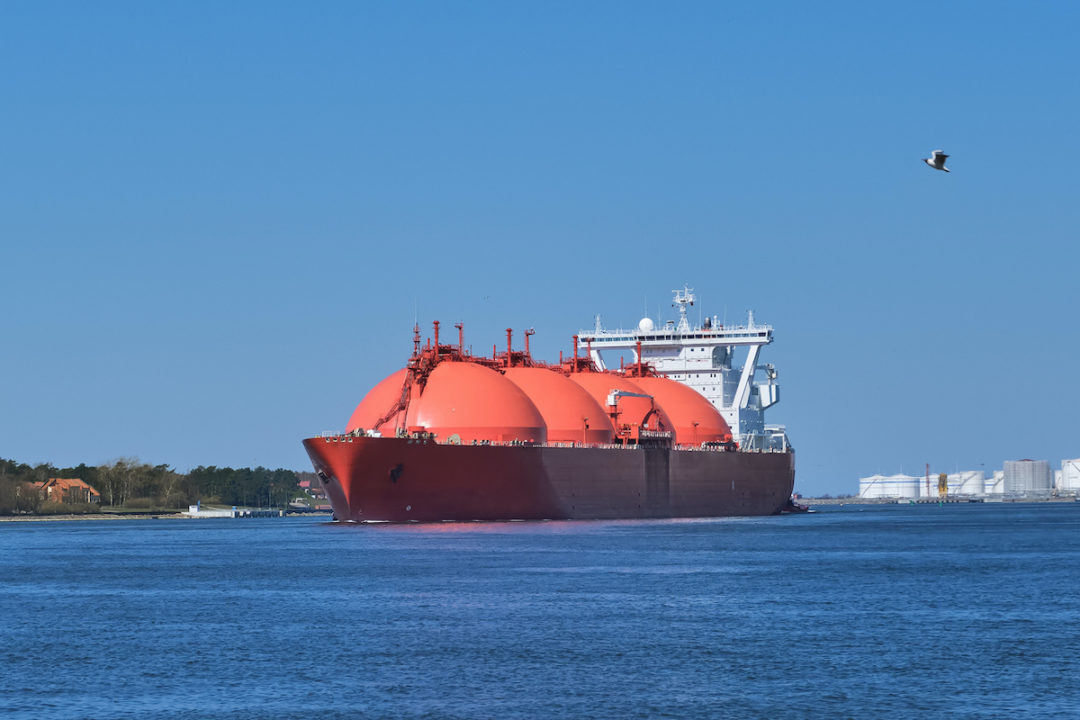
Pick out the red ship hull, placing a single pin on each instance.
(371, 479)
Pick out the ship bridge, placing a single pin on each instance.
(702, 357)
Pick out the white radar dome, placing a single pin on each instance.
(646, 325)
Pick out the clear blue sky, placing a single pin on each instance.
(216, 219)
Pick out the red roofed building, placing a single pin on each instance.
(67, 490)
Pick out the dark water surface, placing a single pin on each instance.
(872, 611)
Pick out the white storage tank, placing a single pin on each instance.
(968, 482)
(962, 482)
(929, 490)
(889, 486)
(1028, 477)
(995, 485)
(872, 487)
(1070, 477)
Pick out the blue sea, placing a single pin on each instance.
(951, 611)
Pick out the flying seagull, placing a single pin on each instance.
(937, 160)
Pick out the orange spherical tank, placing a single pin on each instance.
(377, 403)
(570, 412)
(696, 420)
(475, 403)
(632, 410)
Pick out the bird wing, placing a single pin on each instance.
(939, 156)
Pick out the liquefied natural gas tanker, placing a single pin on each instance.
(677, 432)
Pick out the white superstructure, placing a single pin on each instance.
(702, 357)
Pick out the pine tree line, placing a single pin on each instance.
(128, 483)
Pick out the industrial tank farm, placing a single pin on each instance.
(1019, 479)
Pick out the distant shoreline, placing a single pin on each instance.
(126, 516)
(88, 516)
(905, 501)
(802, 501)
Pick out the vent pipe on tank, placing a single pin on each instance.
(509, 333)
(528, 333)
(460, 338)
(639, 358)
(575, 354)
(416, 340)
(436, 323)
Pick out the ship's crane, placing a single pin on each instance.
(614, 395)
(613, 408)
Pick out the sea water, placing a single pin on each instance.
(965, 611)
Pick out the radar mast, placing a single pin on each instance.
(683, 299)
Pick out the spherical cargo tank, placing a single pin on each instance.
(696, 420)
(377, 403)
(475, 403)
(632, 410)
(570, 412)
